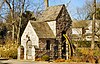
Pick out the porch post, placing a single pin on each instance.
(67, 50)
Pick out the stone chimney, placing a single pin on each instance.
(46, 2)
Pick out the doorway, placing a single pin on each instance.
(21, 52)
(63, 45)
(29, 50)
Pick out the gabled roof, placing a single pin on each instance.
(42, 30)
(80, 24)
(51, 13)
(40, 26)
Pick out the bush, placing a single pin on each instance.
(38, 59)
(60, 60)
(45, 58)
(9, 50)
(97, 53)
(68, 60)
(84, 43)
(76, 59)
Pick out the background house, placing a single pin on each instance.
(83, 30)
(45, 35)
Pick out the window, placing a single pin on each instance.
(48, 45)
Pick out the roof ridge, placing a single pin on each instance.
(57, 5)
(50, 13)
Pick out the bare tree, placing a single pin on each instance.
(22, 10)
(11, 11)
(12, 15)
(86, 11)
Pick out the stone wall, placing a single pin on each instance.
(42, 48)
(63, 23)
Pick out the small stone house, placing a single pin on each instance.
(45, 35)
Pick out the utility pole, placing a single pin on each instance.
(93, 25)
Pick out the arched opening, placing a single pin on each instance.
(63, 45)
(21, 52)
(29, 49)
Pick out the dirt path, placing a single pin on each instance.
(32, 62)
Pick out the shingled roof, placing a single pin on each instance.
(42, 30)
(80, 24)
(85, 24)
(51, 13)
(41, 27)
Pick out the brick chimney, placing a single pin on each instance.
(46, 2)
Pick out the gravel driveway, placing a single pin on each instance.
(32, 62)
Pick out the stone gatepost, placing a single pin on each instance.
(20, 52)
(18, 57)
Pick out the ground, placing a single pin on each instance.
(34, 62)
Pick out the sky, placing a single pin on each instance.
(73, 5)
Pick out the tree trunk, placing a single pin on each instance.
(18, 35)
(12, 15)
(93, 26)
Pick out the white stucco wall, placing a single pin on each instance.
(89, 28)
(33, 37)
(52, 25)
(89, 31)
(77, 31)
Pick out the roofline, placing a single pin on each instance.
(60, 11)
(77, 27)
(84, 20)
(40, 21)
(56, 5)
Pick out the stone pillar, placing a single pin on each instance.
(18, 53)
(59, 45)
(25, 55)
(33, 53)
(59, 51)
(67, 51)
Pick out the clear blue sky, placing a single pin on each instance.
(71, 8)
(72, 5)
